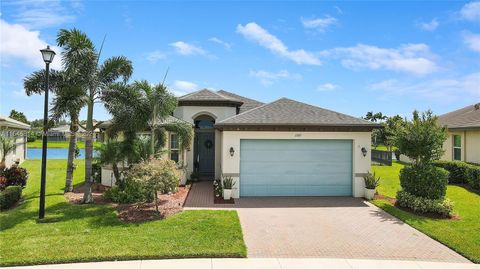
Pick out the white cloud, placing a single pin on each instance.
(182, 87)
(472, 41)
(429, 26)
(440, 89)
(43, 14)
(221, 42)
(184, 48)
(19, 43)
(268, 78)
(327, 87)
(155, 56)
(411, 58)
(471, 11)
(257, 34)
(320, 24)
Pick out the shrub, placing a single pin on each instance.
(443, 207)
(132, 192)
(459, 171)
(15, 176)
(371, 181)
(31, 136)
(217, 187)
(474, 179)
(10, 196)
(97, 172)
(425, 181)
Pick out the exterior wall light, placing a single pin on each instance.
(232, 151)
(364, 151)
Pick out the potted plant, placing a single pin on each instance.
(371, 183)
(227, 187)
(217, 187)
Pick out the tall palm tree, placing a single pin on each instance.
(69, 100)
(80, 56)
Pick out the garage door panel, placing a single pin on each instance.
(296, 167)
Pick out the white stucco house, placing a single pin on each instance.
(282, 148)
(18, 131)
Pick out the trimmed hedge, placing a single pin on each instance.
(425, 181)
(10, 196)
(461, 172)
(442, 207)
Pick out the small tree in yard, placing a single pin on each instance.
(422, 140)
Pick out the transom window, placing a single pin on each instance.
(204, 122)
(457, 147)
(174, 149)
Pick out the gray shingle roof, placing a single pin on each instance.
(247, 102)
(467, 117)
(208, 96)
(287, 112)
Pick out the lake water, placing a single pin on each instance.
(36, 153)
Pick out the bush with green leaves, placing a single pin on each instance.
(474, 179)
(442, 207)
(132, 192)
(425, 181)
(459, 171)
(10, 196)
(371, 181)
(14, 176)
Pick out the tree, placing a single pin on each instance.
(374, 117)
(69, 100)
(7, 146)
(17, 115)
(391, 127)
(110, 153)
(81, 57)
(421, 139)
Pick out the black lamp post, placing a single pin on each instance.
(47, 55)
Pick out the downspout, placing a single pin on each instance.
(465, 146)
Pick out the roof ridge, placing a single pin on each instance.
(222, 91)
(246, 112)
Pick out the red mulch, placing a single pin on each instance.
(76, 196)
(169, 204)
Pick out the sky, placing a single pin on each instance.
(348, 56)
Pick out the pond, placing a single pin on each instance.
(52, 153)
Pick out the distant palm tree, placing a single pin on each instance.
(80, 56)
(7, 145)
(68, 101)
(110, 153)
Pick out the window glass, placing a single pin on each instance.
(457, 141)
(174, 147)
(457, 147)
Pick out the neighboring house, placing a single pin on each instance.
(15, 130)
(283, 148)
(463, 141)
(62, 133)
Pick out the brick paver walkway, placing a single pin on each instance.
(336, 227)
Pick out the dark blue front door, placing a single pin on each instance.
(205, 154)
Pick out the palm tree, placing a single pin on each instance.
(81, 57)
(110, 153)
(7, 145)
(69, 100)
(141, 106)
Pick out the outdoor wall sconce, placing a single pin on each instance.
(232, 151)
(364, 151)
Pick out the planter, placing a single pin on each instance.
(369, 193)
(227, 194)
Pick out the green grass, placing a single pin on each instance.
(74, 233)
(59, 144)
(461, 235)
(382, 147)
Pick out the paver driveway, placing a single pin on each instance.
(338, 227)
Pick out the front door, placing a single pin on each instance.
(205, 154)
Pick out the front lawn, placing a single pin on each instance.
(461, 235)
(74, 233)
(59, 144)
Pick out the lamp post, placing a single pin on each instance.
(47, 55)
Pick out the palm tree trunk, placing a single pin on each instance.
(87, 196)
(71, 154)
(116, 174)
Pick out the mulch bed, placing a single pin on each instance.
(169, 204)
(220, 200)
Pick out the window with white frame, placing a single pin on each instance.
(174, 150)
(457, 147)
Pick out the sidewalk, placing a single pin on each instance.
(260, 263)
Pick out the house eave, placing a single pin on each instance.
(296, 127)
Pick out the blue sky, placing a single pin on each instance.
(351, 57)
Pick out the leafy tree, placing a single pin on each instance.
(422, 138)
(81, 57)
(374, 117)
(392, 126)
(17, 115)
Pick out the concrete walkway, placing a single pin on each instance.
(259, 263)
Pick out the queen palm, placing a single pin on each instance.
(69, 100)
(81, 57)
(7, 145)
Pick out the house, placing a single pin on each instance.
(62, 133)
(15, 130)
(282, 148)
(463, 141)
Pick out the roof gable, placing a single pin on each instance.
(207, 96)
(467, 117)
(287, 112)
(247, 102)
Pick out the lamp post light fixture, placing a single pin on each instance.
(364, 152)
(47, 55)
(232, 151)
